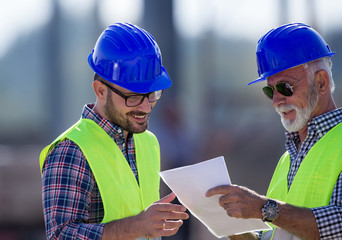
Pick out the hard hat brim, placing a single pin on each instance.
(266, 75)
(256, 80)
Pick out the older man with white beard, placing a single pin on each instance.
(304, 198)
(303, 115)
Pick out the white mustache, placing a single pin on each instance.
(285, 108)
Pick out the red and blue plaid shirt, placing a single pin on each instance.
(72, 202)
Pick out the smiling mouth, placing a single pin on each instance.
(284, 110)
(287, 114)
(139, 117)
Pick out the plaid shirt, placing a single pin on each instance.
(72, 202)
(328, 218)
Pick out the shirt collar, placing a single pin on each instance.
(319, 125)
(110, 128)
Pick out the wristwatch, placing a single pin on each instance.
(270, 211)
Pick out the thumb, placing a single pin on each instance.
(168, 198)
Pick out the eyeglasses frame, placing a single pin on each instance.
(144, 95)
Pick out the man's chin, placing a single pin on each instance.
(140, 128)
(291, 125)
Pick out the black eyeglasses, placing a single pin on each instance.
(136, 99)
(283, 88)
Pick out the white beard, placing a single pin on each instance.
(303, 115)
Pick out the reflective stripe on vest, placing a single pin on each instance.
(121, 195)
(316, 177)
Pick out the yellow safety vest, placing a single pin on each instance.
(316, 177)
(121, 195)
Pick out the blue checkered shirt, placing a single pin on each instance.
(328, 218)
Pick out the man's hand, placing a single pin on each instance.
(241, 202)
(238, 201)
(161, 218)
(245, 236)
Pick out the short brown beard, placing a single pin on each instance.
(114, 116)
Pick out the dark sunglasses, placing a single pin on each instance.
(283, 88)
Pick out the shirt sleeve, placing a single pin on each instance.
(329, 218)
(67, 184)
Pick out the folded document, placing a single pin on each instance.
(190, 183)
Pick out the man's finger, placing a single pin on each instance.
(222, 189)
(168, 198)
(168, 207)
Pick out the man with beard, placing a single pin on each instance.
(304, 198)
(100, 177)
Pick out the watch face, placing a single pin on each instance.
(270, 211)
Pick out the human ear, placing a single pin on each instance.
(100, 90)
(322, 81)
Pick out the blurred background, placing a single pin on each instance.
(208, 49)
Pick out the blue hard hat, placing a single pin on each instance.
(128, 56)
(288, 46)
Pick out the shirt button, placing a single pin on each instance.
(119, 131)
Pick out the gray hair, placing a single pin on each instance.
(321, 64)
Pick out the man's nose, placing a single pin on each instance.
(278, 98)
(145, 106)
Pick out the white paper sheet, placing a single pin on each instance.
(190, 183)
